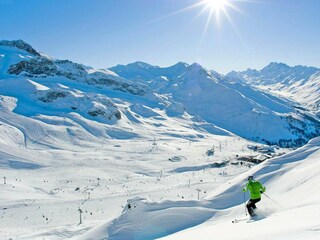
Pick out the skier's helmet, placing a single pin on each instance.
(250, 178)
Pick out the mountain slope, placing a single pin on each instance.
(144, 71)
(89, 97)
(300, 83)
(235, 106)
(280, 218)
(85, 103)
(75, 138)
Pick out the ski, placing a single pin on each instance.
(239, 220)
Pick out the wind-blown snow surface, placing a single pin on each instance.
(293, 213)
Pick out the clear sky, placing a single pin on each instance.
(103, 33)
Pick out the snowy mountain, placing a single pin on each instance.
(145, 71)
(300, 83)
(138, 154)
(61, 88)
(234, 106)
(85, 103)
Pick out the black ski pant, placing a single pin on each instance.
(252, 205)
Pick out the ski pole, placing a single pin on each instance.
(272, 200)
(245, 205)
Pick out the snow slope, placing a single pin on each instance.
(246, 113)
(233, 105)
(90, 98)
(144, 71)
(50, 176)
(73, 137)
(291, 212)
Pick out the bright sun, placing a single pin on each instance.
(216, 10)
(217, 5)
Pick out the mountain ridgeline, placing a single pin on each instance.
(276, 105)
(300, 83)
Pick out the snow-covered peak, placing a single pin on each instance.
(178, 89)
(196, 72)
(176, 69)
(282, 73)
(275, 73)
(296, 82)
(195, 66)
(227, 104)
(144, 71)
(20, 44)
(181, 64)
(140, 64)
(282, 67)
(276, 66)
(15, 63)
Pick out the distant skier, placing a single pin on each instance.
(255, 189)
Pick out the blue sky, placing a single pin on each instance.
(103, 33)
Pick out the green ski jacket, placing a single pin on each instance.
(255, 189)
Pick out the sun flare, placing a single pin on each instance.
(216, 10)
(217, 5)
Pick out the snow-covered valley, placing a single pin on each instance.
(143, 152)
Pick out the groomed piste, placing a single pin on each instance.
(289, 211)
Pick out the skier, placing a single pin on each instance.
(255, 189)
